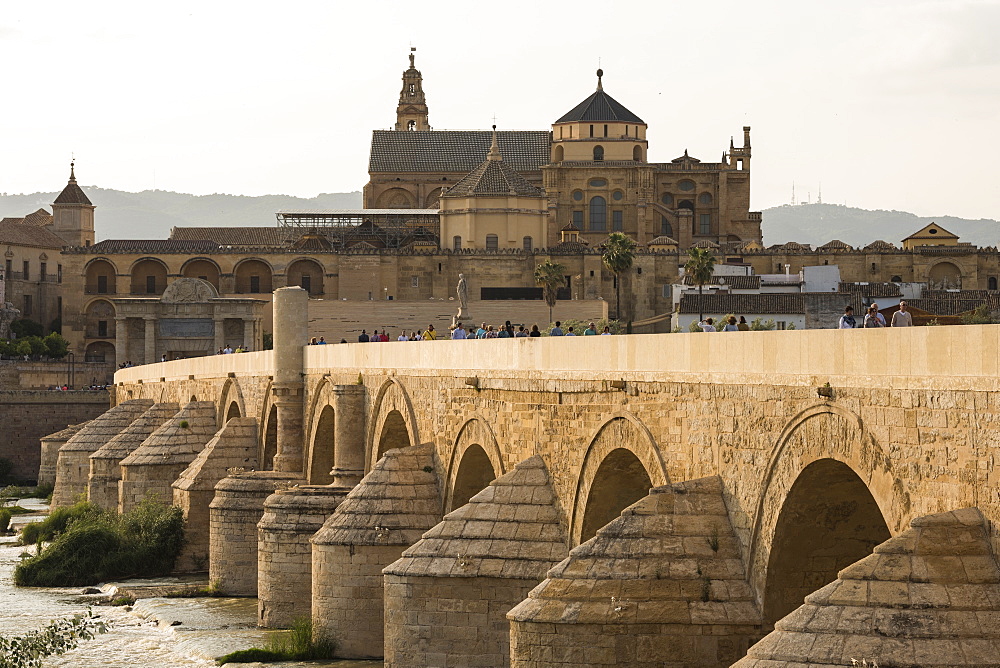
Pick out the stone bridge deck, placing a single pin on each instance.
(816, 446)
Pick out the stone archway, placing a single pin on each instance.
(466, 475)
(821, 432)
(269, 439)
(621, 465)
(393, 424)
(233, 411)
(321, 448)
(232, 395)
(829, 520)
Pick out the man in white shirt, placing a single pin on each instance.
(707, 325)
(902, 317)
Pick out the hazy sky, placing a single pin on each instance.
(888, 104)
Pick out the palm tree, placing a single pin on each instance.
(699, 267)
(619, 253)
(549, 275)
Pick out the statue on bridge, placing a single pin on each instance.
(463, 300)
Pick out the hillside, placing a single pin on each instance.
(150, 215)
(817, 224)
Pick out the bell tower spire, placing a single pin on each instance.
(411, 113)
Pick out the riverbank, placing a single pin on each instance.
(154, 633)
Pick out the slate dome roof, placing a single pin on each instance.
(600, 107)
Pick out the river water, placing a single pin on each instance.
(155, 633)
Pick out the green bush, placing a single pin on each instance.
(979, 316)
(56, 523)
(56, 346)
(296, 645)
(59, 636)
(96, 546)
(26, 327)
(5, 520)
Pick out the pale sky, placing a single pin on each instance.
(888, 104)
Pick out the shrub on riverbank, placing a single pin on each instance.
(90, 545)
(56, 523)
(296, 645)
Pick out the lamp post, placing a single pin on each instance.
(71, 370)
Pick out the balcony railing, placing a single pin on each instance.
(95, 290)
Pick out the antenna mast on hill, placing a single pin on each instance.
(819, 198)
(793, 193)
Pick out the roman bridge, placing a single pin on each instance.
(461, 502)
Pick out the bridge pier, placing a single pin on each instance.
(73, 464)
(387, 512)
(233, 446)
(291, 310)
(662, 585)
(234, 513)
(50, 452)
(449, 594)
(150, 470)
(105, 464)
(348, 435)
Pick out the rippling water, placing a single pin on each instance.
(143, 637)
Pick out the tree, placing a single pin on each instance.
(619, 253)
(549, 275)
(699, 267)
(56, 346)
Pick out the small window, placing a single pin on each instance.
(102, 328)
(26, 270)
(637, 153)
(591, 273)
(59, 273)
(102, 285)
(598, 214)
(666, 228)
(528, 243)
(492, 242)
(255, 284)
(456, 243)
(598, 153)
(577, 196)
(597, 183)
(151, 285)
(638, 270)
(305, 282)
(667, 199)
(991, 283)
(617, 195)
(705, 223)
(616, 221)
(896, 279)
(591, 130)
(43, 269)
(411, 125)
(27, 305)
(605, 129)
(414, 282)
(412, 88)
(578, 219)
(686, 186)
(704, 198)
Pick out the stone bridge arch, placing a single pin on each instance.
(393, 423)
(231, 402)
(474, 463)
(320, 445)
(620, 466)
(268, 421)
(828, 496)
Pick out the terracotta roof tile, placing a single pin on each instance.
(238, 236)
(493, 177)
(455, 150)
(153, 246)
(734, 282)
(879, 245)
(764, 304)
(870, 289)
(29, 235)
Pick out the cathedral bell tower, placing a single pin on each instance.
(411, 113)
(73, 214)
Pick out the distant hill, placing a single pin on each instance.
(151, 213)
(817, 224)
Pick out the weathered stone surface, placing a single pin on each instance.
(393, 505)
(50, 452)
(151, 468)
(73, 464)
(663, 585)
(105, 464)
(233, 446)
(467, 572)
(234, 513)
(284, 556)
(927, 597)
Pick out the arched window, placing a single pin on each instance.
(896, 279)
(411, 125)
(528, 243)
(412, 88)
(492, 242)
(704, 198)
(456, 243)
(667, 199)
(598, 153)
(557, 155)
(637, 153)
(991, 283)
(598, 214)
(666, 228)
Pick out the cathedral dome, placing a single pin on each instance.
(599, 108)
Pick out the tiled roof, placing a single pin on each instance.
(493, 177)
(734, 282)
(663, 241)
(871, 289)
(154, 246)
(957, 294)
(765, 304)
(954, 305)
(40, 218)
(312, 241)
(598, 108)
(836, 244)
(789, 246)
(704, 243)
(879, 245)
(29, 235)
(72, 194)
(238, 236)
(455, 150)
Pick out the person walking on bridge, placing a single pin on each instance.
(902, 317)
(430, 334)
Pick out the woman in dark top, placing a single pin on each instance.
(534, 331)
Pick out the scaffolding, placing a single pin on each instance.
(380, 228)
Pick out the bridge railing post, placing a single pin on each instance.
(291, 316)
